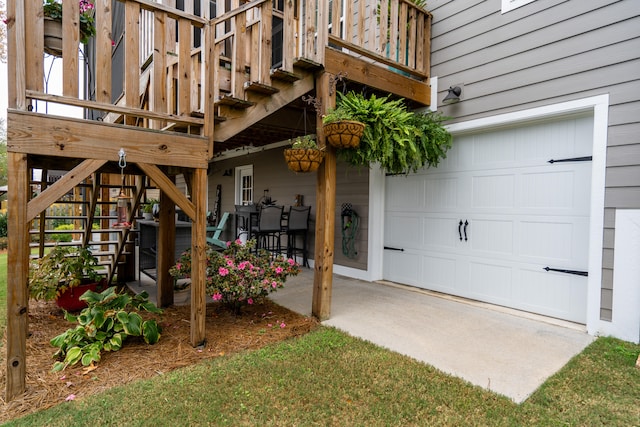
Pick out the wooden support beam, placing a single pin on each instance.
(166, 185)
(62, 186)
(199, 258)
(376, 76)
(66, 137)
(325, 211)
(17, 276)
(166, 248)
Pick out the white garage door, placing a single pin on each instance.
(492, 217)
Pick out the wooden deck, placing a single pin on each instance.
(167, 86)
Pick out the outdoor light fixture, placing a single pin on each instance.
(453, 96)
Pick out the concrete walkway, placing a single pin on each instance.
(502, 350)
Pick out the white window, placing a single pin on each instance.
(244, 185)
(508, 5)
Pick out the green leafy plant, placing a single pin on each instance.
(3, 224)
(338, 114)
(148, 207)
(240, 275)
(62, 237)
(62, 268)
(304, 142)
(399, 140)
(104, 325)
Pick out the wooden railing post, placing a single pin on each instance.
(17, 275)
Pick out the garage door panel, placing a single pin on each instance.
(405, 192)
(438, 274)
(440, 193)
(550, 293)
(547, 240)
(544, 190)
(403, 266)
(495, 149)
(523, 214)
(491, 237)
(439, 233)
(490, 282)
(403, 230)
(559, 241)
(493, 191)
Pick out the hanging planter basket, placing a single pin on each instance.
(303, 159)
(53, 36)
(343, 133)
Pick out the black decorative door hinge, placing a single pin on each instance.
(576, 272)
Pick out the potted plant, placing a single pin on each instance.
(52, 10)
(341, 127)
(147, 208)
(304, 154)
(398, 139)
(63, 275)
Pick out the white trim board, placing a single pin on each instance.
(596, 105)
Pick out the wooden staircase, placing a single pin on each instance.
(90, 212)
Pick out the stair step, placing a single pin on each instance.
(260, 88)
(233, 102)
(306, 64)
(283, 75)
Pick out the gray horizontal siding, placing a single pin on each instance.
(623, 155)
(546, 52)
(625, 134)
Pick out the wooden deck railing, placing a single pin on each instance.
(166, 80)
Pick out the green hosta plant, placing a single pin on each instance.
(399, 140)
(103, 326)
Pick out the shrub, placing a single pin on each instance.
(240, 275)
(62, 237)
(3, 225)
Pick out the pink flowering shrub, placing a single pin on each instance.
(239, 275)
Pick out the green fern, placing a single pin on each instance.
(399, 140)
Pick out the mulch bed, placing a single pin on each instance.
(260, 324)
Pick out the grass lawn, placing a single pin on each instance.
(329, 378)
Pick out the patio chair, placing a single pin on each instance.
(214, 240)
(298, 226)
(269, 228)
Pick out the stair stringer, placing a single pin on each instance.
(267, 105)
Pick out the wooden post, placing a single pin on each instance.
(198, 257)
(17, 275)
(325, 211)
(166, 247)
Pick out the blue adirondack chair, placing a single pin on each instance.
(214, 239)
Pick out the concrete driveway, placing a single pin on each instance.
(505, 351)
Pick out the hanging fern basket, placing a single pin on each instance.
(343, 133)
(303, 159)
